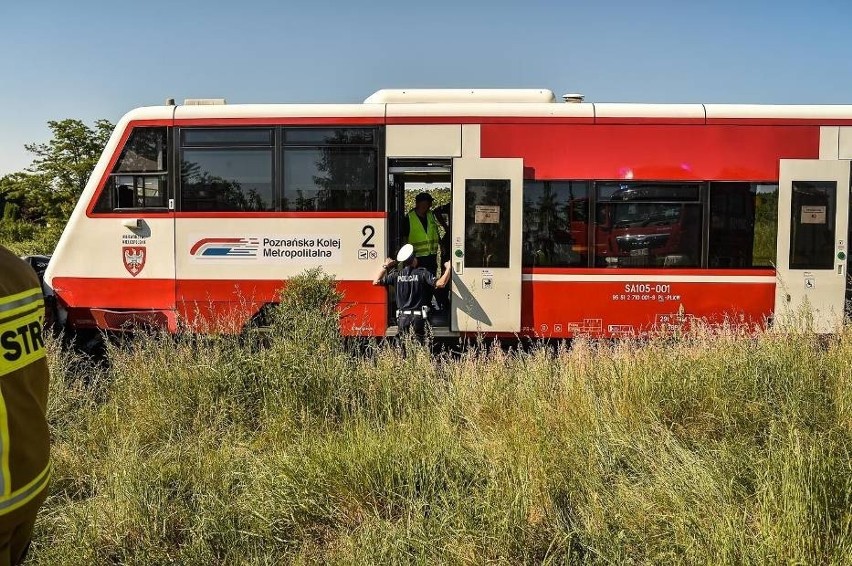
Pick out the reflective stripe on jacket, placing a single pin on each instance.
(24, 437)
(425, 242)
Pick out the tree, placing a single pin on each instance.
(51, 185)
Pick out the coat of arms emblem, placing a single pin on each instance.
(134, 259)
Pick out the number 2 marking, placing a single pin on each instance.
(369, 232)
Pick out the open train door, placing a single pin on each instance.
(813, 207)
(486, 244)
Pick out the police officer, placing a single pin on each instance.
(24, 438)
(413, 289)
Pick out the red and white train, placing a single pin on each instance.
(566, 218)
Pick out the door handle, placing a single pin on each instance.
(132, 223)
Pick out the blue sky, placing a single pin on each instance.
(96, 59)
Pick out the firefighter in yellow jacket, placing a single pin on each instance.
(24, 437)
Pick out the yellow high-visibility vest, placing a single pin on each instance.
(425, 242)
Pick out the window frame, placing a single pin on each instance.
(378, 197)
(753, 186)
(165, 174)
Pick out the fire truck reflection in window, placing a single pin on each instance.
(139, 178)
(648, 225)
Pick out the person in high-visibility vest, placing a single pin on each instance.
(24, 437)
(420, 229)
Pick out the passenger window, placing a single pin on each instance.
(330, 178)
(227, 179)
(227, 170)
(330, 169)
(648, 225)
(743, 225)
(556, 224)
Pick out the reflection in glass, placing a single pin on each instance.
(487, 225)
(642, 190)
(646, 234)
(227, 180)
(330, 179)
(556, 221)
(323, 136)
(743, 225)
(226, 136)
(145, 152)
(648, 224)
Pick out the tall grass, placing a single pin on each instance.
(714, 448)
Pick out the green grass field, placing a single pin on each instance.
(714, 448)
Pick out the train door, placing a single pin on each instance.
(406, 179)
(813, 207)
(485, 244)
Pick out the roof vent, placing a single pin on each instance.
(573, 97)
(203, 101)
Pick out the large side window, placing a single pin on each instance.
(556, 223)
(227, 170)
(647, 224)
(330, 169)
(743, 225)
(139, 178)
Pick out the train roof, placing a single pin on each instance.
(494, 103)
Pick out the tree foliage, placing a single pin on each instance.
(48, 189)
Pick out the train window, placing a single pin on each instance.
(134, 191)
(330, 136)
(638, 191)
(199, 137)
(743, 225)
(641, 224)
(556, 223)
(812, 227)
(144, 152)
(487, 227)
(227, 179)
(330, 178)
(139, 177)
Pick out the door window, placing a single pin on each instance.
(487, 227)
(812, 225)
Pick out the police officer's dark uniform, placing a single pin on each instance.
(24, 437)
(413, 287)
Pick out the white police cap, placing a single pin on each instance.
(405, 252)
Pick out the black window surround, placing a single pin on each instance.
(342, 176)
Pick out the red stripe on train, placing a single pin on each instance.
(217, 305)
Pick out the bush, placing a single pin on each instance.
(27, 238)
